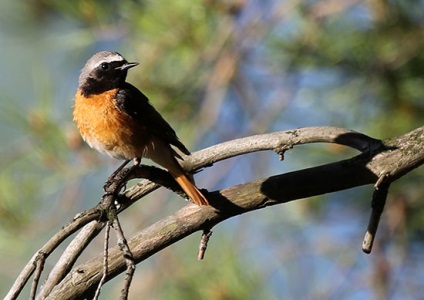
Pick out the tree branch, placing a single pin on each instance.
(277, 141)
(394, 158)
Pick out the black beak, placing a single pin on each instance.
(127, 66)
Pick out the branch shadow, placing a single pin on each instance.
(328, 178)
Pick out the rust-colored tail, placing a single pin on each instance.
(190, 189)
(162, 153)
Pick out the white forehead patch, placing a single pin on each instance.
(108, 59)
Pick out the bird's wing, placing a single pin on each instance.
(132, 102)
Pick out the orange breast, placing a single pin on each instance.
(108, 130)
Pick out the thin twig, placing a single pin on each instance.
(105, 261)
(41, 259)
(112, 187)
(204, 243)
(377, 206)
(128, 256)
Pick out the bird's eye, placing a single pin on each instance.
(104, 66)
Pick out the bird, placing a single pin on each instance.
(116, 118)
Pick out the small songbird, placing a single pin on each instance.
(115, 118)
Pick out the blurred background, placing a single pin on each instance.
(219, 70)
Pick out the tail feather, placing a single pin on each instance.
(161, 153)
(190, 189)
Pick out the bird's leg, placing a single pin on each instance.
(117, 179)
(112, 178)
(124, 177)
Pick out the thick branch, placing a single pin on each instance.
(398, 157)
(280, 142)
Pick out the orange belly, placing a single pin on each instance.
(108, 130)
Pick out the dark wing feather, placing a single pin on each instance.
(135, 104)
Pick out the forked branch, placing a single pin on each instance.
(394, 158)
